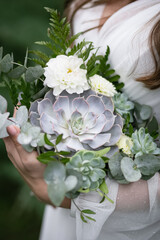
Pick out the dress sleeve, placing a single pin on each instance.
(91, 230)
(133, 197)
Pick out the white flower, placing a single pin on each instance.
(102, 86)
(64, 73)
(125, 143)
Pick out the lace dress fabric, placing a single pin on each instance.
(135, 213)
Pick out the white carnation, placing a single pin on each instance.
(125, 143)
(64, 73)
(102, 86)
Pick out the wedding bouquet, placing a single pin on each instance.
(71, 109)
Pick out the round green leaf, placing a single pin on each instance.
(145, 112)
(6, 63)
(22, 115)
(3, 104)
(17, 72)
(33, 73)
(56, 191)
(148, 164)
(115, 166)
(130, 174)
(70, 183)
(55, 170)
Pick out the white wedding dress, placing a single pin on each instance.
(135, 214)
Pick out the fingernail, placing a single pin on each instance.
(11, 130)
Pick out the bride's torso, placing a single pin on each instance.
(126, 32)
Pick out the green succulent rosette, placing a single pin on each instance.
(143, 143)
(91, 168)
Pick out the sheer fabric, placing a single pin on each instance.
(135, 213)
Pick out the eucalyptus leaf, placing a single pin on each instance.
(152, 125)
(3, 104)
(115, 166)
(17, 72)
(6, 63)
(28, 148)
(55, 170)
(33, 73)
(70, 183)
(56, 191)
(3, 131)
(21, 115)
(3, 119)
(148, 164)
(130, 173)
(145, 112)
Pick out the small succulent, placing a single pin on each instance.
(31, 137)
(86, 122)
(91, 168)
(123, 105)
(143, 143)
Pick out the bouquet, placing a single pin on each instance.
(71, 109)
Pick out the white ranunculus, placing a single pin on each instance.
(102, 86)
(64, 73)
(125, 143)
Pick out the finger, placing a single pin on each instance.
(13, 132)
(12, 152)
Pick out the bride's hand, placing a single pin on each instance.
(28, 166)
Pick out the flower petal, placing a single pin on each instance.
(108, 103)
(46, 123)
(74, 144)
(63, 103)
(99, 140)
(90, 120)
(50, 96)
(95, 104)
(110, 119)
(34, 119)
(34, 106)
(116, 133)
(98, 127)
(119, 120)
(45, 106)
(61, 119)
(81, 105)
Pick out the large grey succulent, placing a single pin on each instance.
(86, 122)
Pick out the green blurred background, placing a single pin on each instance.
(21, 24)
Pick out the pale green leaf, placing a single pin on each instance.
(33, 73)
(130, 173)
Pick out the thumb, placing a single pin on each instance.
(13, 132)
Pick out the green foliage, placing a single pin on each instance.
(59, 35)
(143, 143)
(58, 182)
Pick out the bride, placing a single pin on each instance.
(132, 31)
